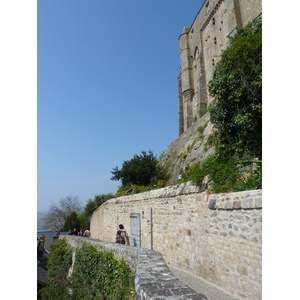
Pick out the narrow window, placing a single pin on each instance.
(207, 7)
(192, 33)
(215, 41)
(214, 22)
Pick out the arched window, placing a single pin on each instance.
(196, 66)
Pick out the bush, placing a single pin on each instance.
(249, 180)
(225, 173)
(60, 260)
(96, 274)
(40, 287)
(139, 188)
(221, 172)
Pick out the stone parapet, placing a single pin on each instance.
(167, 192)
(239, 200)
(217, 237)
(153, 279)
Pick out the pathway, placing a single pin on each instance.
(199, 285)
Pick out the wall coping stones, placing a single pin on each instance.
(238, 200)
(226, 201)
(153, 278)
(186, 188)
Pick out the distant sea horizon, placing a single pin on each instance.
(41, 220)
(42, 230)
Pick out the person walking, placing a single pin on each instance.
(119, 238)
(87, 232)
(124, 234)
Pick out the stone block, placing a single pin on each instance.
(258, 202)
(237, 204)
(254, 239)
(242, 236)
(255, 228)
(247, 203)
(245, 228)
(232, 234)
(228, 204)
(212, 204)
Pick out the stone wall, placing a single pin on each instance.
(217, 237)
(189, 148)
(153, 279)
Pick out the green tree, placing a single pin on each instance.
(100, 199)
(90, 207)
(84, 221)
(93, 204)
(58, 213)
(237, 89)
(139, 170)
(71, 222)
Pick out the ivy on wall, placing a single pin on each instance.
(96, 274)
(237, 89)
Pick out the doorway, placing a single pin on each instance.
(135, 230)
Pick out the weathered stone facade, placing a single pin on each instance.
(189, 148)
(217, 237)
(201, 46)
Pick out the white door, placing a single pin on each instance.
(135, 230)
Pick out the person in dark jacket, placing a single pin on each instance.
(119, 238)
(124, 234)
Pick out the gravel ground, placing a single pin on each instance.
(199, 285)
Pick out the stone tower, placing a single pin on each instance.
(201, 46)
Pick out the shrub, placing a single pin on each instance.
(221, 172)
(249, 180)
(60, 260)
(162, 183)
(98, 275)
(139, 188)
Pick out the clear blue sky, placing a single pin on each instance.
(106, 89)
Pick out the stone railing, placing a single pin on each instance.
(153, 279)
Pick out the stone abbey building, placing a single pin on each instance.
(201, 46)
